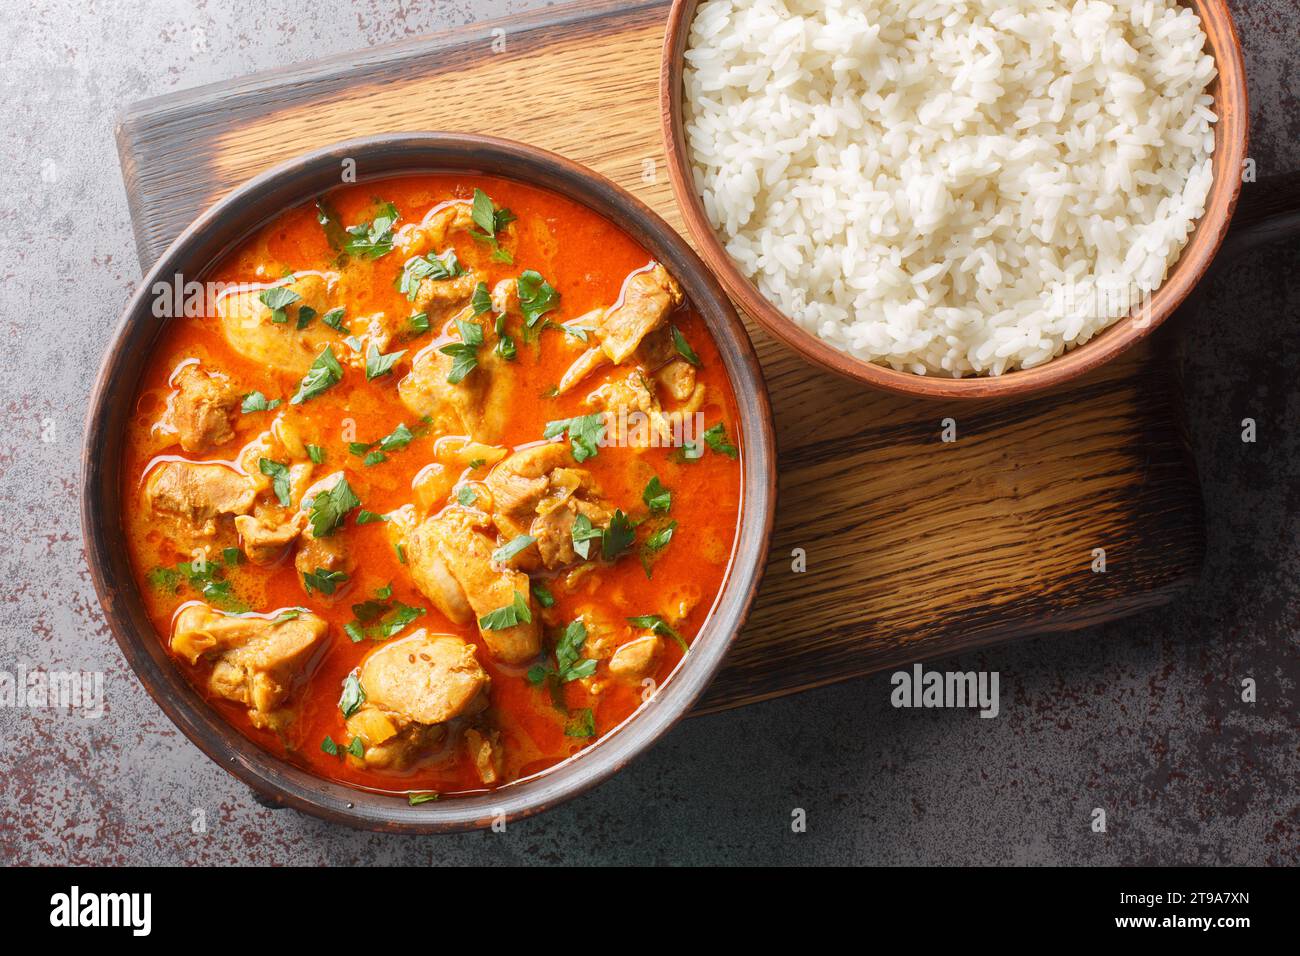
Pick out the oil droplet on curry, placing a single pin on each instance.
(437, 486)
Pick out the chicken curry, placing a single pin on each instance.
(436, 486)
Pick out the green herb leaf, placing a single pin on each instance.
(583, 533)
(256, 402)
(656, 497)
(354, 695)
(466, 495)
(329, 508)
(503, 554)
(657, 625)
(418, 268)
(357, 748)
(290, 615)
(316, 453)
(716, 438)
(683, 347)
(324, 373)
(654, 544)
(415, 799)
(374, 239)
(305, 314)
(582, 723)
(568, 653)
(536, 296)
(465, 352)
(329, 746)
(326, 582)
(481, 300)
(542, 595)
(618, 537)
(369, 517)
(505, 617)
(334, 319)
(377, 365)
(279, 475)
(277, 299)
(585, 433)
(418, 322)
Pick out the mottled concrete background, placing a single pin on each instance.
(1141, 718)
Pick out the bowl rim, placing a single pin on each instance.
(218, 229)
(1232, 133)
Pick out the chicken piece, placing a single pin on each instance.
(637, 659)
(484, 751)
(249, 327)
(678, 379)
(648, 296)
(432, 233)
(478, 405)
(322, 554)
(264, 537)
(441, 299)
(505, 297)
(413, 686)
(190, 497)
(451, 563)
(203, 408)
(536, 492)
(255, 661)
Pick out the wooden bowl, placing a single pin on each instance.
(1230, 137)
(200, 246)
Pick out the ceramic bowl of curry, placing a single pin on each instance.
(427, 480)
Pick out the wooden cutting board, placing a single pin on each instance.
(915, 547)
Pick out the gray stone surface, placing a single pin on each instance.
(1142, 718)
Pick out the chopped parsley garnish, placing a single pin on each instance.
(398, 438)
(329, 508)
(328, 218)
(381, 617)
(279, 475)
(654, 544)
(716, 438)
(466, 495)
(656, 497)
(326, 582)
(490, 220)
(277, 300)
(305, 314)
(657, 625)
(536, 296)
(329, 746)
(375, 238)
(354, 695)
(290, 615)
(231, 556)
(543, 595)
(334, 319)
(503, 554)
(618, 537)
(369, 517)
(418, 322)
(583, 533)
(505, 617)
(505, 346)
(464, 353)
(415, 799)
(257, 402)
(324, 373)
(419, 268)
(356, 748)
(683, 347)
(204, 577)
(582, 723)
(577, 331)
(569, 663)
(377, 365)
(481, 300)
(316, 453)
(585, 433)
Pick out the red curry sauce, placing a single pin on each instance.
(587, 259)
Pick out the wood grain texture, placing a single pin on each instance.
(915, 547)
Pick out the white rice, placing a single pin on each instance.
(951, 187)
